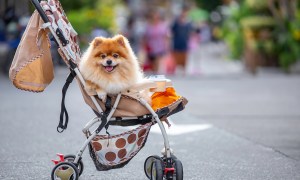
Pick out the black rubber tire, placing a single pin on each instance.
(157, 170)
(63, 166)
(148, 164)
(71, 158)
(178, 174)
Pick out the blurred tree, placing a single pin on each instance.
(264, 32)
(77, 4)
(208, 4)
(88, 14)
(287, 32)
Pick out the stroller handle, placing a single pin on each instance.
(38, 7)
(58, 32)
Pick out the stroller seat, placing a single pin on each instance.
(165, 102)
(109, 152)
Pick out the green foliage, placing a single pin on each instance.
(235, 43)
(69, 5)
(253, 24)
(232, 31)
(86, 15)
(257, 22)
(288, 44)
(257, 4)
(208, 5)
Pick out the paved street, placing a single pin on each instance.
(235, 126)
(254, 132)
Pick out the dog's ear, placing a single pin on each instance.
(121, 40)
(97, 41)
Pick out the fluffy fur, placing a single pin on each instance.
(109, 66)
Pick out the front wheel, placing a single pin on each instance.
(71, 158)
(148, 164)
(157, 170)
(178, 174)
(64, 171)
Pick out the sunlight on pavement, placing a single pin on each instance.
(180, 129)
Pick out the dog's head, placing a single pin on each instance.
(110, 61)
(111, 53)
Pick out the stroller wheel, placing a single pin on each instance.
(71, 158)
(178, 174)
(148, 164)
(157, 170)
(65, 170)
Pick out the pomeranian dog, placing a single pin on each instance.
(109, 66)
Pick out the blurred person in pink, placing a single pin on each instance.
(193, 61)
(155, 40)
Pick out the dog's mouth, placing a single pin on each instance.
(110, 68)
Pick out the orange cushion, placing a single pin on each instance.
(163, 99)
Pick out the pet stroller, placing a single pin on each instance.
(32, 70)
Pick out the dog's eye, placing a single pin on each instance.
(103, 56)
(115, 55)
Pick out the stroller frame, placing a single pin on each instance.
(61, 42)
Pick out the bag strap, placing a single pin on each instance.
(64, 117)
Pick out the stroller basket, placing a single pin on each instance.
(110, 152)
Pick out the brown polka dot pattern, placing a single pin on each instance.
(110, 156)
(122, 153)
(97, 146)
(58, 20)
(141, 133)
(120, 143)
(131, 138)
(112, 150)
(139, 143)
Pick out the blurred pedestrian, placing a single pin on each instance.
(181, 30)
(132, 35)
(13, 33)
(155, 40)
(193, 61)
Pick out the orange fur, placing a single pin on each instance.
(103, 78)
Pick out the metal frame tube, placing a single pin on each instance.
(81, 150)
(90, 124)
(39, 8)
(161, 126)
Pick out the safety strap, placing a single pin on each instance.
(131, 122)
(64, 117)
(104, 115)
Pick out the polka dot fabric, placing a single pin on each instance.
(117, 149)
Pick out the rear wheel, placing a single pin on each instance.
(157, 170)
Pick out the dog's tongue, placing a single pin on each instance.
(109, 68)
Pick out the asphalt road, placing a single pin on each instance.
(254, 132)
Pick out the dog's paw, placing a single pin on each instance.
(102, 96)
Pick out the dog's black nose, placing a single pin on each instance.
(109, 62)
